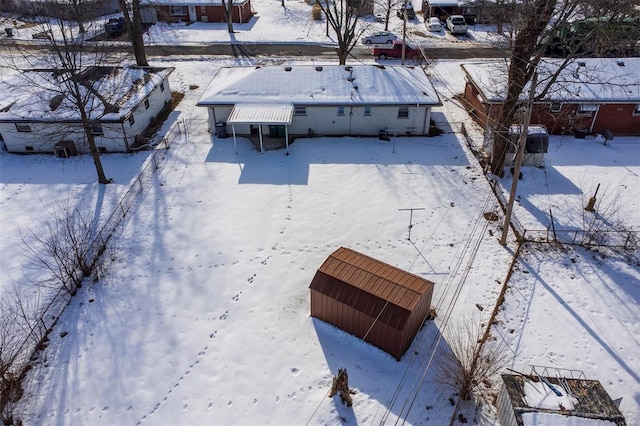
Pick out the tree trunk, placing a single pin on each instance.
(228, 13)
(342, 56)
(523, 62)
(86, 125)
(133, 23)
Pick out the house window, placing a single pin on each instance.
(403, 112)
(177, 10)
(340, 111)
(131, 120)
(96, 130)
(28, 148)
(23, 127)
(162, 86)
(636, 109)
(146, 104)
(204, 18)
(299, 110)
(367, 111)
(203, 9)
(555, 107)
(587, 109)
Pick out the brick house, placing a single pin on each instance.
(198, 10)
(591, 95)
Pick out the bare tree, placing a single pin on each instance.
(227, 5)
(133, 21)
(69, 89)
(21, 329)
(343, 16)
(535, 26)
(66, 248)
(471, 362)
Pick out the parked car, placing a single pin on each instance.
(456, 24)
(395, 51)
(380, 37)
(114, 27)
(381, 17)
(434, 24)
(411, 13)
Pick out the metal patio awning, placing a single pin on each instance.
(261, 114)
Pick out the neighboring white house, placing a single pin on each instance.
(307, 100)
(36, 113)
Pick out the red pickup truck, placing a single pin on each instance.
(395, 51)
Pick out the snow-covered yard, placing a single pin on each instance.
(205, 318)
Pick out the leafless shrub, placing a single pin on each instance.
(65, 248)
(470, 362)
(19, 327)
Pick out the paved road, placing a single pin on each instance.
(282, 49)
(292, 50)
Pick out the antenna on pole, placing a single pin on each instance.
(411, 218)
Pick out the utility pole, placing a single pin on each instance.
(404, 31)
(522, 141)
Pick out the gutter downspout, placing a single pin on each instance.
(260, 131)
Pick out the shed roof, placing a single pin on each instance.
(586, 80)
(370, 286)
(320, 85)
(589, 400)
(261, 114)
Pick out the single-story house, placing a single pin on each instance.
(37, 114)
(474, 11)
(195, 11)
(374, 301)
(306, 100)
(591, 95)
(441, 8)
(532, 399)
(62, 9)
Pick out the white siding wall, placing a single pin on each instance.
(44, 136)
(142, 116)
(324, 120)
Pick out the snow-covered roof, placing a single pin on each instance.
(320, 85)
(557, 419)
(111, 93)
(586, 80)
(560, 401)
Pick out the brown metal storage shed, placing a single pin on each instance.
(366, 297)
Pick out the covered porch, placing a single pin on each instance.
(269, 124)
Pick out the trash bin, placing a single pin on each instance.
(221, 130)
(9, 32)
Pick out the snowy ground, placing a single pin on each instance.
(272, 23)
(205, 317)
